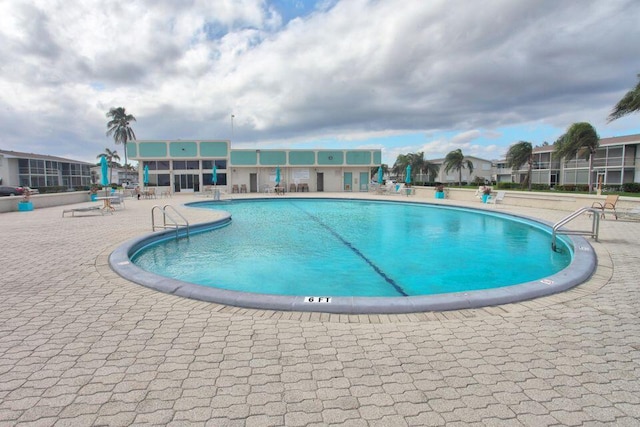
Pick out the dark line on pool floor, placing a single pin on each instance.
(357, 252)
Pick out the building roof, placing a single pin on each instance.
(20, 155)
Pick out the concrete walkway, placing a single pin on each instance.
(81, 346)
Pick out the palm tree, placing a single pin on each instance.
(374, 170)
(519, 154)
(119, 127)
(455, 160)
(400, 165)
(420, 165)
(111, 157)
(629, 103)
(580, 140)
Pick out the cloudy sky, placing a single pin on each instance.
(404, 76)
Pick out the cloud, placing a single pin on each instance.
(354, 71)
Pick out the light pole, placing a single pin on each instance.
(232, 116)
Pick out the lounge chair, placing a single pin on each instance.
(397, 188)
(117, 201)
(608, 204)
(497, 198)
(96, 209)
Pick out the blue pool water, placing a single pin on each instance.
(357, 248)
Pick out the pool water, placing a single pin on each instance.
(357, 248)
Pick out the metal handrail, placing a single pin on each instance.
(595, 225)
(174, 224)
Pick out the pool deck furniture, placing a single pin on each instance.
(108, 202)
(407, 191)
(91, 209)
(117, 201)
(609, 204)
(497, 198)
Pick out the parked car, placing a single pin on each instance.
(5, 190)
(31, 190)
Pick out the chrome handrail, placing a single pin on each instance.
(173, 223)
(595, 225)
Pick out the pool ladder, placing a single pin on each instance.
(166, 215)
(595, 225)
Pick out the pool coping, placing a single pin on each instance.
(579, 271)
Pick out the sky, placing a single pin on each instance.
(403, 76)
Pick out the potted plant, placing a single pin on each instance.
(93, 192)
(25, 204)
(439, 191)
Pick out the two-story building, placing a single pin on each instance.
(187, 166)
(616, 162)
(482, 168)
(37, 170)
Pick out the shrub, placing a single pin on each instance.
(631, 187)
(540, 187)
(478, 180)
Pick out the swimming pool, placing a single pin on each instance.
(331, 255)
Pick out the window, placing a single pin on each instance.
(37, 166)
(208, 164)
(222, 179)
(23, 166)
(179, 165)
(162, 165)
(163, 180)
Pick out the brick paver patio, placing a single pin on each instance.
(81, 346)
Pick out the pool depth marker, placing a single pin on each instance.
(348, 244)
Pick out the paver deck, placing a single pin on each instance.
(81, 346)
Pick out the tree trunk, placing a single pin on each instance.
(590, 171)
(125, 155)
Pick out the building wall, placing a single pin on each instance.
(41, 170)
(481, 168)
(617, 160)
(255, 169)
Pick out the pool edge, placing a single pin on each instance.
(582, 267)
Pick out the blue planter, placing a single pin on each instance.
(484, 198)
(94, 197)
(25, 206)
(439, 194)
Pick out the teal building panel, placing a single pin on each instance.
(302, 158)
(330, 157)
(214, 149)
(244, 158)
(152, 149)
(377, 157)
(183, 149)
(358, 157)
(273, 158)
(132, 150)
